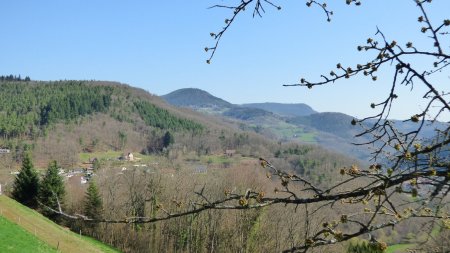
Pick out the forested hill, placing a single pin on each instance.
(27, 108)
(192, 97)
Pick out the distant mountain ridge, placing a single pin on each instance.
(193, 97)
(290, 122)
(331, 122)
(285, 122)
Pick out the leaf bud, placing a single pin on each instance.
(243, 202)
(393, 43)
(415, 118)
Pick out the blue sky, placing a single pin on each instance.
(158, 46)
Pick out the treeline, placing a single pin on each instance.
(14, 78)
(27, 108)
(47, 192)
(74, 103)
(161, 118)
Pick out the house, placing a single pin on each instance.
(230, 152)
(200, 169)
(130, 157)
(4, 151)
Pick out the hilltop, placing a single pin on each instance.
(58, 120)
(285, 122)
(195, 98)
(291, 122)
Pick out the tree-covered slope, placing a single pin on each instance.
(330, 122)
(246, 113)
(192, 97)
(26, 108)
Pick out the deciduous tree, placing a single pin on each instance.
(409, 177)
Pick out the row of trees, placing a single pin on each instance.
(161, 118)
(14, 78)
(157, 144)
(28, 107)
(47, 194)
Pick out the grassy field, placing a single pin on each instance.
(292, 132)
(109, 155)
(114, 155)
(14, 239)
(46, 231)
(397, 248)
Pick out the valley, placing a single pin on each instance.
(152, 160)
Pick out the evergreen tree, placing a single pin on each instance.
(168, 139)
(365, 247)
(26, 184)
(93, 204)
(51, 190)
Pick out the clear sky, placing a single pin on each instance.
(158, 46)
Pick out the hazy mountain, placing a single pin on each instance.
(195, 98)
(290, 110)
(244, 113)
(331, 122)
(275, 120)
(290, 122)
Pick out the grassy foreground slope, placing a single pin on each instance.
(14, 239)
(47, 231)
